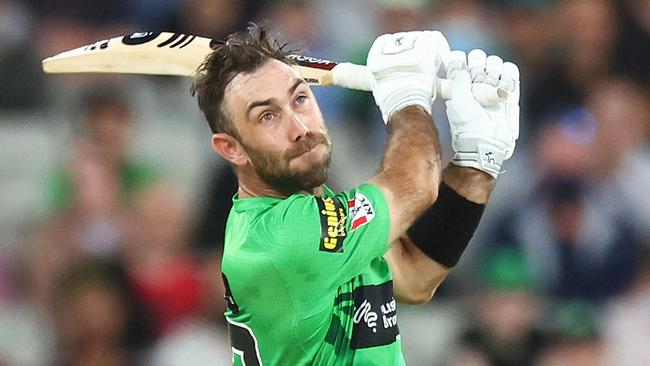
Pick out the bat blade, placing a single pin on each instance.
(152, 53)
(162, 53)
(166, 53)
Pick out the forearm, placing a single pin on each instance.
(412, 156)
(482, 140)
(410, 170)
(444, 230)
(471, 184)
(416, 274)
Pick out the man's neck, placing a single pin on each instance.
(248, 190)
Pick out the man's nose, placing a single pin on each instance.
(297, 129)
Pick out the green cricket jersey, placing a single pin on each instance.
(306, 282)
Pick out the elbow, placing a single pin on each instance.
(420, 289)
(424, 297)
(419, 293)
(419, 297)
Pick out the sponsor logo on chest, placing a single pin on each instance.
(332, 220)
(374, 317)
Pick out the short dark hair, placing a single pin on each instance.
(240, 52)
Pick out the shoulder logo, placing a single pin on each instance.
(332, 221)
(361, 211)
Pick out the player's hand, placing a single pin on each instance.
(482, 137)
(404, 66)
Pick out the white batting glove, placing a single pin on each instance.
(482, 137)
(404, 66)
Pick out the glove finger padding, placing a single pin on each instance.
(482, 137)
(493, 69)
(510, 77)
(476, 60)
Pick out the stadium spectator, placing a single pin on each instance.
(95, 317)
(577, 245)
(585, 40)
(505, 327)
(164, 275)
(576, 337)
(626, 326)
(20, 74)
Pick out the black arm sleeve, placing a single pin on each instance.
(443, 231)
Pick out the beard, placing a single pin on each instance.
(273, 167)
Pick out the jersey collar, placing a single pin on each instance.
(245, 204)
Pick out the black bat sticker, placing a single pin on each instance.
(313, 62)
(139, 38)
(103, 44)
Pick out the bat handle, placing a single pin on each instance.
(352, 76)
(358, 77)
(486, 94)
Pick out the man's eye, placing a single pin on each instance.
(267, 117)
(301, 99)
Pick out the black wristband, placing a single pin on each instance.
(443, 231)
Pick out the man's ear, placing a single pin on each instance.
(228, 147)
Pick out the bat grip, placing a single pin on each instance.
(352, 76)
(486, 94)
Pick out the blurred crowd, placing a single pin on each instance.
(112, 257)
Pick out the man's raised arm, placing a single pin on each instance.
(482, 138)
(404, 66)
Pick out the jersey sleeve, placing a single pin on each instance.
(328, 239)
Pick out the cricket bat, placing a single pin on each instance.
(166, 53)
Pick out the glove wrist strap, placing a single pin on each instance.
(484, 157)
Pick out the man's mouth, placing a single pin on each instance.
(306, 146)
(302, 151)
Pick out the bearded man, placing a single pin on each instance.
(312, 276)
